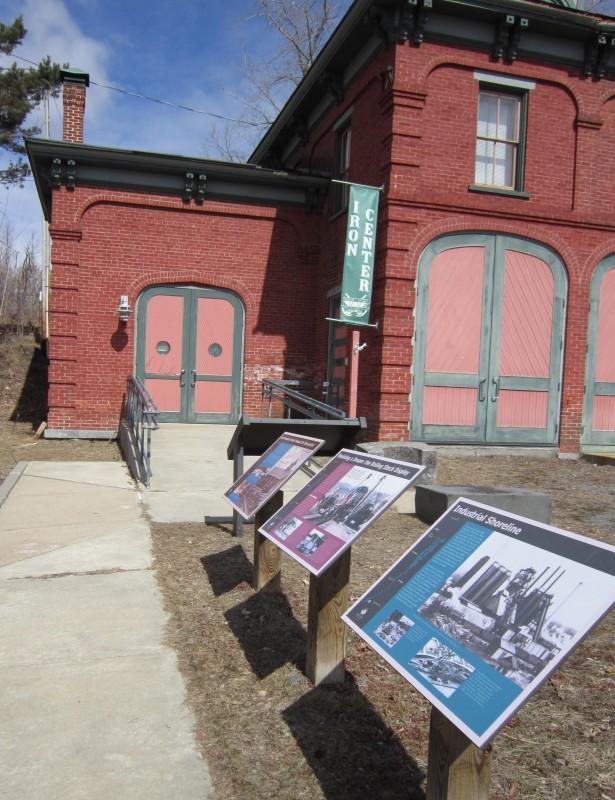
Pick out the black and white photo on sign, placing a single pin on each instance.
(287, 527)
(444, 669)
(516, 606)
(393, 628)
(353, 502)
(310, 543)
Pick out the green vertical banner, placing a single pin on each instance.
(359, 252)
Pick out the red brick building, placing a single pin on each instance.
(491, 127)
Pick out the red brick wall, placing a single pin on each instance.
(370, 122)
(415, 136)
(418, 138)
(107, 244)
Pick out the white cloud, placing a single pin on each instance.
(111, 118)
(52, 31)
(142, 125)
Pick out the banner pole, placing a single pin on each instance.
(354, 375)
(362, 185)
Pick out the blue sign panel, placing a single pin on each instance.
(482, 608)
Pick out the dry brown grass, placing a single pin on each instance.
(264, 730)
(23, 406)
(267, 733)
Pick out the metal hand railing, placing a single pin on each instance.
(141, 417)
(293, 400)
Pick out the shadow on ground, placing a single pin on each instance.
(353, 753)
(264, 624)
(31, 405)
(227, 569)
(268, 633)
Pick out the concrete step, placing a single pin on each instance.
(432, 501)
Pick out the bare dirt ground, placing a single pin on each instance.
(23, 385)
(267, 733)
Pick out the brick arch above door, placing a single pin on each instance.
(458, 225)
(489, 341)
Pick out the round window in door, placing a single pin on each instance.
(189, 343)
(488, 344)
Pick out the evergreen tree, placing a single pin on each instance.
(21, 90)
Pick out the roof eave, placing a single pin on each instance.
(166, 173)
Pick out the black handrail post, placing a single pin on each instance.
(293, 400)
(141, 418)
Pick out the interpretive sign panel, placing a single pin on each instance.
(277, 464)
(482, 608)
(337, 505)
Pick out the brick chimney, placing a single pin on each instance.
(73, 94)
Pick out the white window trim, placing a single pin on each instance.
(504, 80)
(515, 143)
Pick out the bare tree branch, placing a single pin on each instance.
(302, 27)
(20, 281)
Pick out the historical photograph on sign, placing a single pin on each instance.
(512, 604)
(264, 478)
(495, 602)
(337, 505)
(311, 543)
(289, 526)
(441, 666)
(393, 628)
(354, 501)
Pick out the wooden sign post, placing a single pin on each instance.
(326, 642)
(267, 555)
(456, 768)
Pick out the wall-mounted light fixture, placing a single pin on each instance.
(124, 309)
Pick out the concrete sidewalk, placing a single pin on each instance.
(91, 700)
(190, 473)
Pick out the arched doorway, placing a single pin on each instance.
(189, 352)
(599, 407)
(488, 343)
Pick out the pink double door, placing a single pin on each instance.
(488, 342)
(189, 343)
(599, 410)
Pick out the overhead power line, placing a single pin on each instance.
(169, 103)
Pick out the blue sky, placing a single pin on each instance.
(188, 51)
